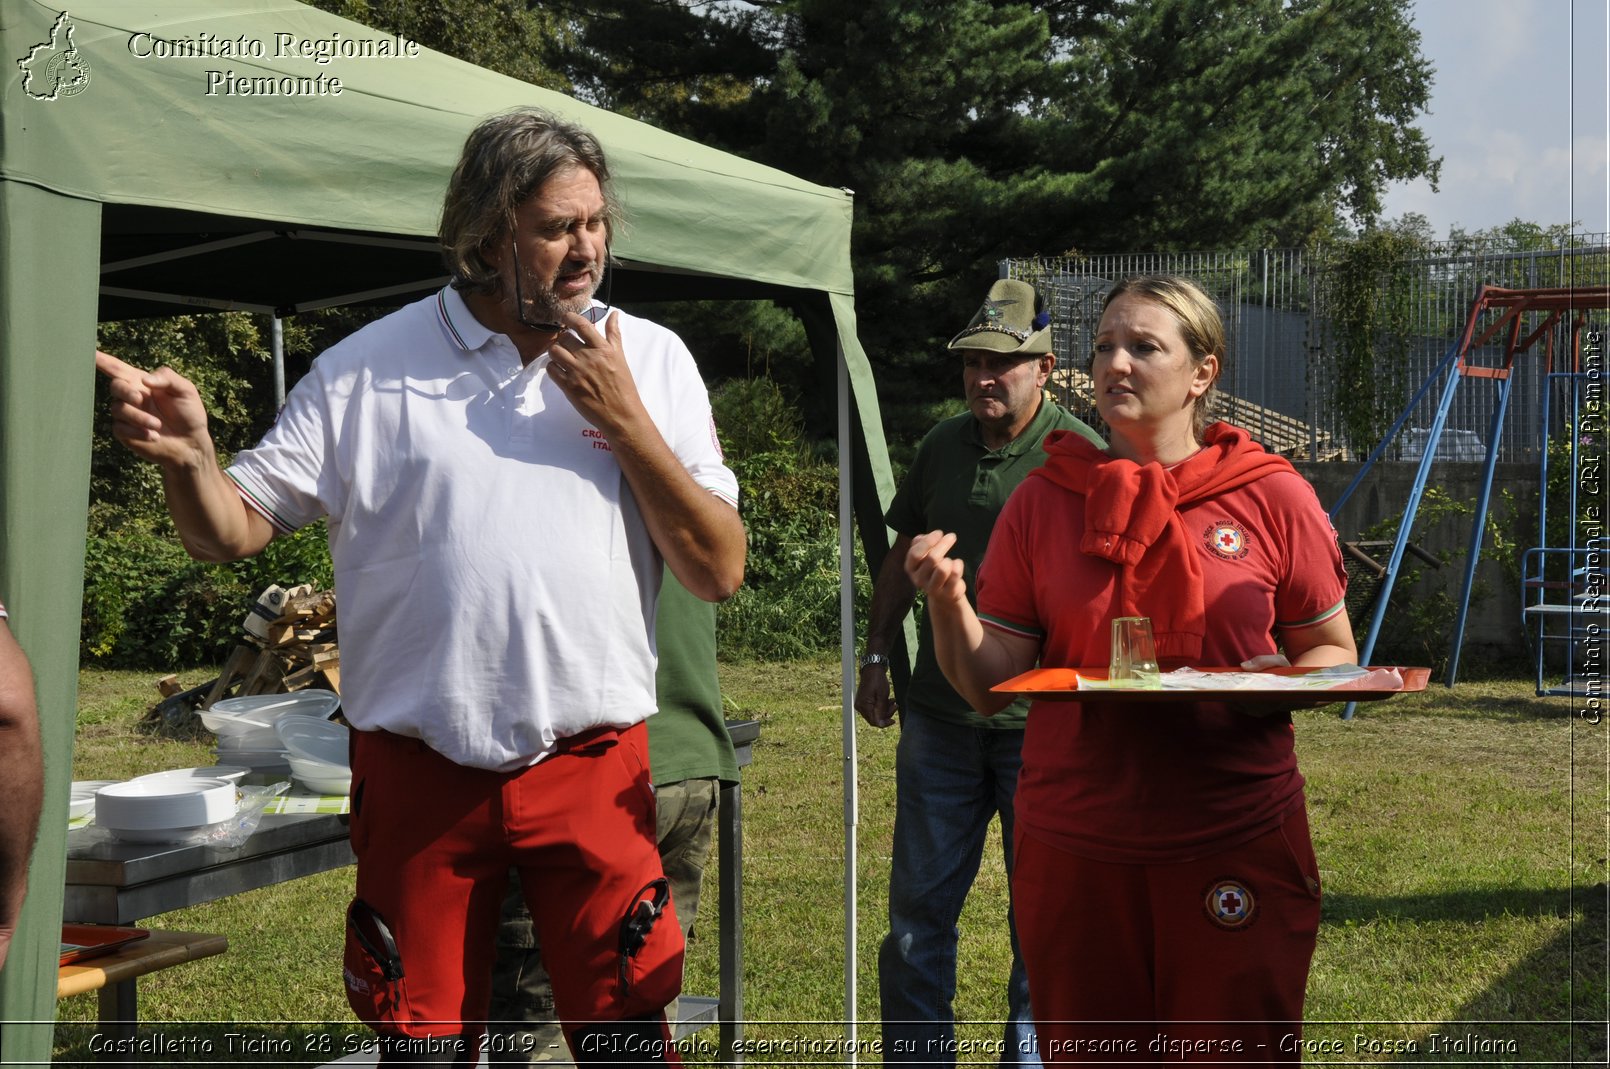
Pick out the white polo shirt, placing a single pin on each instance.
(495, 578)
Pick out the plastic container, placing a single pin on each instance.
(314, 738)
(248, 723)
(321, 777)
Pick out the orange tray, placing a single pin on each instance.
(1062, 685)
(80, 941)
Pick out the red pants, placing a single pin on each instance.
(435, 842)
(1205, 961)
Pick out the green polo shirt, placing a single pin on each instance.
(958, 484)
(687, 738)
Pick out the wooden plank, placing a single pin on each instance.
(332, 677)
(159, 950)
(318, 606)
(237, 665)
(280, 634)
(264, 676)
(301, 678)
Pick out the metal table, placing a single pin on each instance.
(124, 883)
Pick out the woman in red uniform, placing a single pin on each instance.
(1166, 889)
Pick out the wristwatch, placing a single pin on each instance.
(873, 658)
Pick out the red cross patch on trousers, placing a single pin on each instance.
(1230, 904)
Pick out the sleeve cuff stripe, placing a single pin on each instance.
(1312, 620)
(1011, 626)
(258, 505)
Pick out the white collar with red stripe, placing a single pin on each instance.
(468, 332)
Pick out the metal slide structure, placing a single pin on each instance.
(1513, 309)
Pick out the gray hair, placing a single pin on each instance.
(507, 159)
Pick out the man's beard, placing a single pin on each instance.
(537, 306)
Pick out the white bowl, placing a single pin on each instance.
(182, 776)
(250, 739)
(321, 777)
(267, 760)
(311, 737)
(252, 718)
(82, 789)
(157, 804)
(81, 803)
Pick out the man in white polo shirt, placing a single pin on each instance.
(503, 465)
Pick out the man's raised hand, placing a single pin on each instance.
(157, 414)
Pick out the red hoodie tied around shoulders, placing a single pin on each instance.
(1132, 519)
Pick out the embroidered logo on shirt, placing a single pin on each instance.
(1231, 905)
(715, 440)
(1226, 538)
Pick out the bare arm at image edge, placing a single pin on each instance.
(21, 781)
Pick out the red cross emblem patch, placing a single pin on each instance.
(1231, 904)
(1226, 538)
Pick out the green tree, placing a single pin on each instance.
(976, 129)
(501, 35)
(1374, 291)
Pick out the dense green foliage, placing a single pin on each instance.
(789, 602)
(147, 604)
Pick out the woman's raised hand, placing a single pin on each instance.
(941, 577)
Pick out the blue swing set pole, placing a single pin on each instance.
(1375, 454)
(1384, 595)
(1478, 529)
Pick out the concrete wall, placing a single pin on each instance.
(1494, 628)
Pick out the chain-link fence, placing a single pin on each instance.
(1281, 376)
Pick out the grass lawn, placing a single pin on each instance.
(1461, 835)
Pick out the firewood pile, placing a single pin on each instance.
(288, 643)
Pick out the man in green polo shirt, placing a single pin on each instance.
(955, 769)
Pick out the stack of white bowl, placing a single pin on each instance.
(81, 802)
(158, 809)
(245, 726)
(182, 776)
(317, 751)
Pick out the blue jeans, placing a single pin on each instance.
(950, 780)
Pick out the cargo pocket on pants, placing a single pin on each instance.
(650, 952)
(372, 969)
